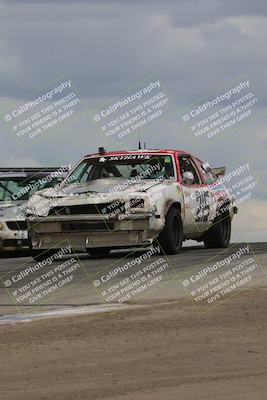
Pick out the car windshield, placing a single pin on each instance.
(128, 166)
(21, 188)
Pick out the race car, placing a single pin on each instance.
(118, 199)
(16, 186)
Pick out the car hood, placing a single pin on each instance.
(110, 186)
(96, 192)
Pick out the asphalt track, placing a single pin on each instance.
(82, 291)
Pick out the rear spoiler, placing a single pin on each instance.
(29, 172)
(218, 171)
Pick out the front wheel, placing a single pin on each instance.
(171, 237)
(218, 236)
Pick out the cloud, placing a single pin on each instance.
(184, 38)
(15, 161)
(251, 26)
(195, 47)
(89, 2)
(251, 221)
(100, 46)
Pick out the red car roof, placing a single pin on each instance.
(149, 151)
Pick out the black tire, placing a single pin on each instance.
(98, 252)
(171, 237)
(218, 236)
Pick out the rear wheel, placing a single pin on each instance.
(218, 236)
(99, 252)
(171, 237)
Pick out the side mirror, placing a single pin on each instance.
(188, 178)
(218, 171)
(206, 166)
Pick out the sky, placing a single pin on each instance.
(195, 47)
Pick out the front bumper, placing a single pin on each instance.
(91, 231)
(14, 240)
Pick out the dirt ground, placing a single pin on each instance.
(161, 352)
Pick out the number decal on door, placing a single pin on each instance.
(203, 207)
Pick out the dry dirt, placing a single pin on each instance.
(161, 352)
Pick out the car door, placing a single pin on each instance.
(196, 196)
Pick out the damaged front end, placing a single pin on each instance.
(91, 216)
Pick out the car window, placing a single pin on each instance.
(186, 165)
(125, 166)
(21, 188)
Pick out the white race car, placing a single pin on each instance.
(16, 186)
(118, 199)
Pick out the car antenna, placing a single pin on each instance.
(139, 143)
(101, 150)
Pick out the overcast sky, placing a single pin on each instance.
(194, 46)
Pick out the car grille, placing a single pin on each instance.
(15, 242)
(17, 225)
(86, 227)
(115, 207)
